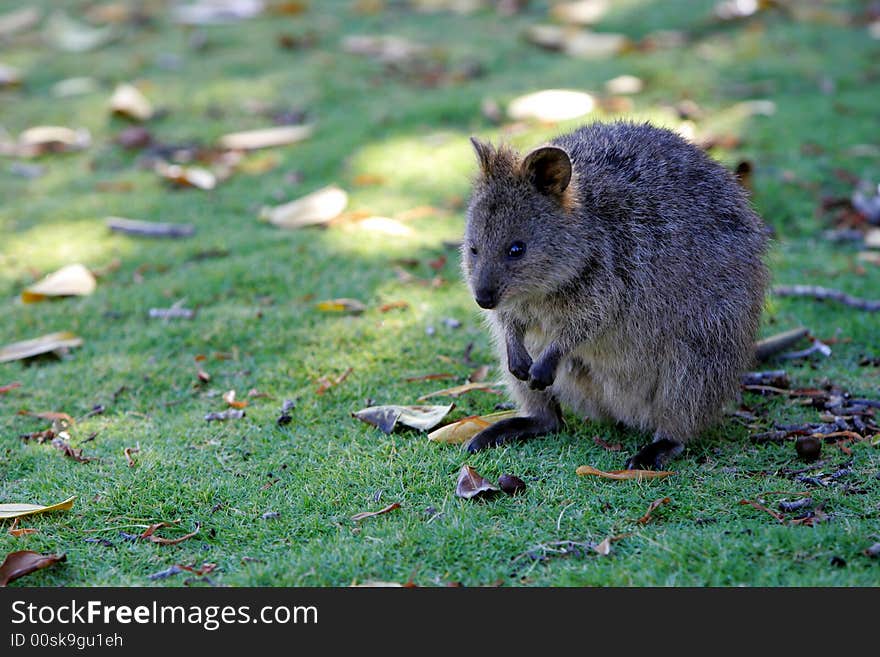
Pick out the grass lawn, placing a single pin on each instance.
(274, 502)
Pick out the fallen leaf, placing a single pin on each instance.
(266, 137)
(616, 447)
(19, 20)
(181, 176)
(383, 225)
(19, 510)
(72, 280)
(603, 547)
(68, 35)
(763, 508)
(21, 563)
(9, 387)
(651, 508)
(393, 305)
(229, 398)
(61, 443)
(458, 391)
(470, 484)
(351, 306)
(316, 208)
(52, 139)
(148, 228)
(551, 105)
(128, 101)
(624, 85)
(595, 45)
(619, 475)
(150, 534)
(430, 377)
(49, 415)
(42, 345)
(180, 568)
(229, 414)
(128, 451)
(18, 532)
(465, 429)
(325, 383)
(479, 374)
(369, 514)
(423, 418)
(580, 12)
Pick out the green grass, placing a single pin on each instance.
(257, 303)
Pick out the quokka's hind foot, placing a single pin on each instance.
(513, 429)
(655, 455)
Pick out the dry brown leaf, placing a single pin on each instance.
(604, 546)
(18, 564)
(196, 177)
(63, 446)
(128, 101)
(18, 532)
(465, 429)
(369, 179)
(9, 387)
(393, 305)
(52, 139)
(470, 484)
(72, 280)
(18, 510)
(429, 377)
(128, 451)
(479, 375)
(229, 398)
(423, 418)
(761, 507)
(316, 208)
(651, 508)
(351, 306)
(325, 383)
(638, 475)
(369, 514)
(463, 389)
(266, 137)
(150, 534)
(616, 447)
(42, 345)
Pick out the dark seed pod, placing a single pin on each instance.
(808, 448)
(511, 484)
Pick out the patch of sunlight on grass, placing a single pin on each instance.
(51, 245)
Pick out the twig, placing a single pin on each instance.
(771, 346)
(149, 228)
(824, 293)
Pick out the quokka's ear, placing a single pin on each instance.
(549, 170)
(485, 154)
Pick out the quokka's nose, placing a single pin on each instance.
(487, 299)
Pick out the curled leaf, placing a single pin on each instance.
(319, 207)
(186, 176)
(266, 137)
(465, 429)
(651, 508)
(21, 563)
(72, 280)
(42, 345)
(19, 510)
(129, 102)
(638, 475)
(423, 418)
(470, 484)
(457, 391)
(370, 514)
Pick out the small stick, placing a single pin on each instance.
(768, 347)
(823, 293)
(149, 228)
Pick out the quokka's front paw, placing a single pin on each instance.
(541, 375)
(520, 368)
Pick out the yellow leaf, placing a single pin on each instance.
(316, 208)
(463, 430)
(42, 345)
(352, 306)
(8, 511)
(639, 475)
(72, 280)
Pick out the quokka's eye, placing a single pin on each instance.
(516, 250)
(474, 250)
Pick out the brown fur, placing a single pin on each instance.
(640, 290)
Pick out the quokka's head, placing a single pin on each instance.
(520, 227)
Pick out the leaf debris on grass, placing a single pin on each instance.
(51, 342)
(150, 534)
(646, 518)
(386, 418)
(228, 414)
(129, 451)
(638, 475)
(23, 562)
(72, 280)
(370, 514)
(266, 137)
(316, 208)
(466, 428)
(458, 391)
(342, 305)
(326, 382)
(15, 510)
(471, 484)
(149, 228)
